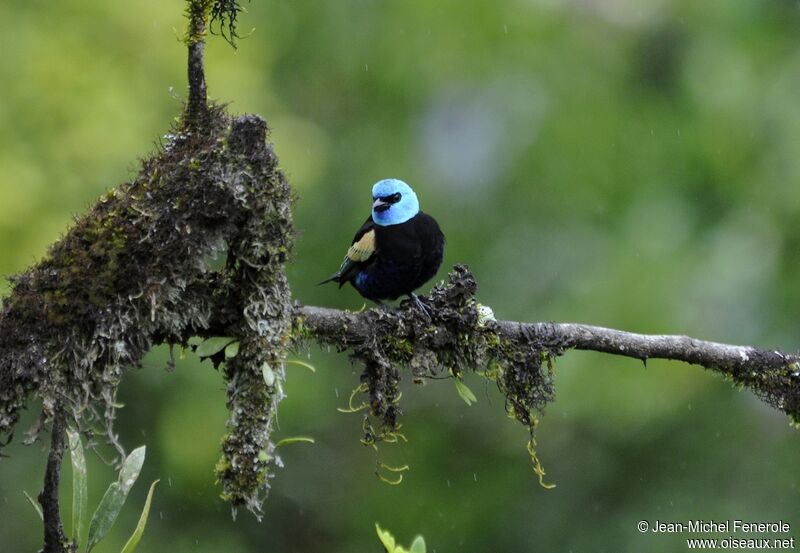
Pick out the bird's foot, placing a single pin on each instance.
(422, 307)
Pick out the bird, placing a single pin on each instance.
(397, 249)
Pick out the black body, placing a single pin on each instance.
(406, 256)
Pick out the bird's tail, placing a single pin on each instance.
(344, 274)
(334, 278)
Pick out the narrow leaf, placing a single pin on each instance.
(465, 393)
(232, 350)
(35, 505)
(294, 440)
(131, 469)
(80, 494)
(105, 515)
(309, 366)
(133, 541)
(213, 345)
(114, 498)
(418, 545)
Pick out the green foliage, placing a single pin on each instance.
(136, 537)
(80, 489)
(114, 498)
(213, 345)
(305, 364)
(231, 350)
(388, 541)
(294, 440)
(112, 502)
(35, 505)
(105, 515)
(391, 480)
(418, 545)
(464, 392)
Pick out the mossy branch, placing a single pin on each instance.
(200, 15)
(134, 272)
(772, 375)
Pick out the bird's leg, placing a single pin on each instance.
(424, 308)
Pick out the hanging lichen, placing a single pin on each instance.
(458, 335)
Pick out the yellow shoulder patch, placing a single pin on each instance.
(364, 248)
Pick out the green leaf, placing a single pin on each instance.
(232, 350)
(294, 440)
(35, 505)
(131, 469)
(133, 541)
(268, 374)
(386, 538)
(418, 545)
(80, 494)
(309, 366)
(195, 341)
(213, 345)
(114, 498)
(465, 393)
(105, 515)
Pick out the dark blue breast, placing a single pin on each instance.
(386, 280)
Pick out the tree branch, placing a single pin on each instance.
(197, 106)
(326, 323)
(773, 375)
(55, 541)
(725, 358)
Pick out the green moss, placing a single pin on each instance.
(198, 12)
(130, 274)
(398, 349)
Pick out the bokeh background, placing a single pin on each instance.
(626, 163)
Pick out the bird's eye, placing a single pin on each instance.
(393, 199)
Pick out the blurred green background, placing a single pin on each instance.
(616, 162)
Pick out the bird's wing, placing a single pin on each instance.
(359, 254)
(369, 225)
(363, 248)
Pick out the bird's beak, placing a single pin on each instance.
(380, 206)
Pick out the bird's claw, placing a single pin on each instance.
(422, 307)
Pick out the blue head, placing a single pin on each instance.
(395, 202)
